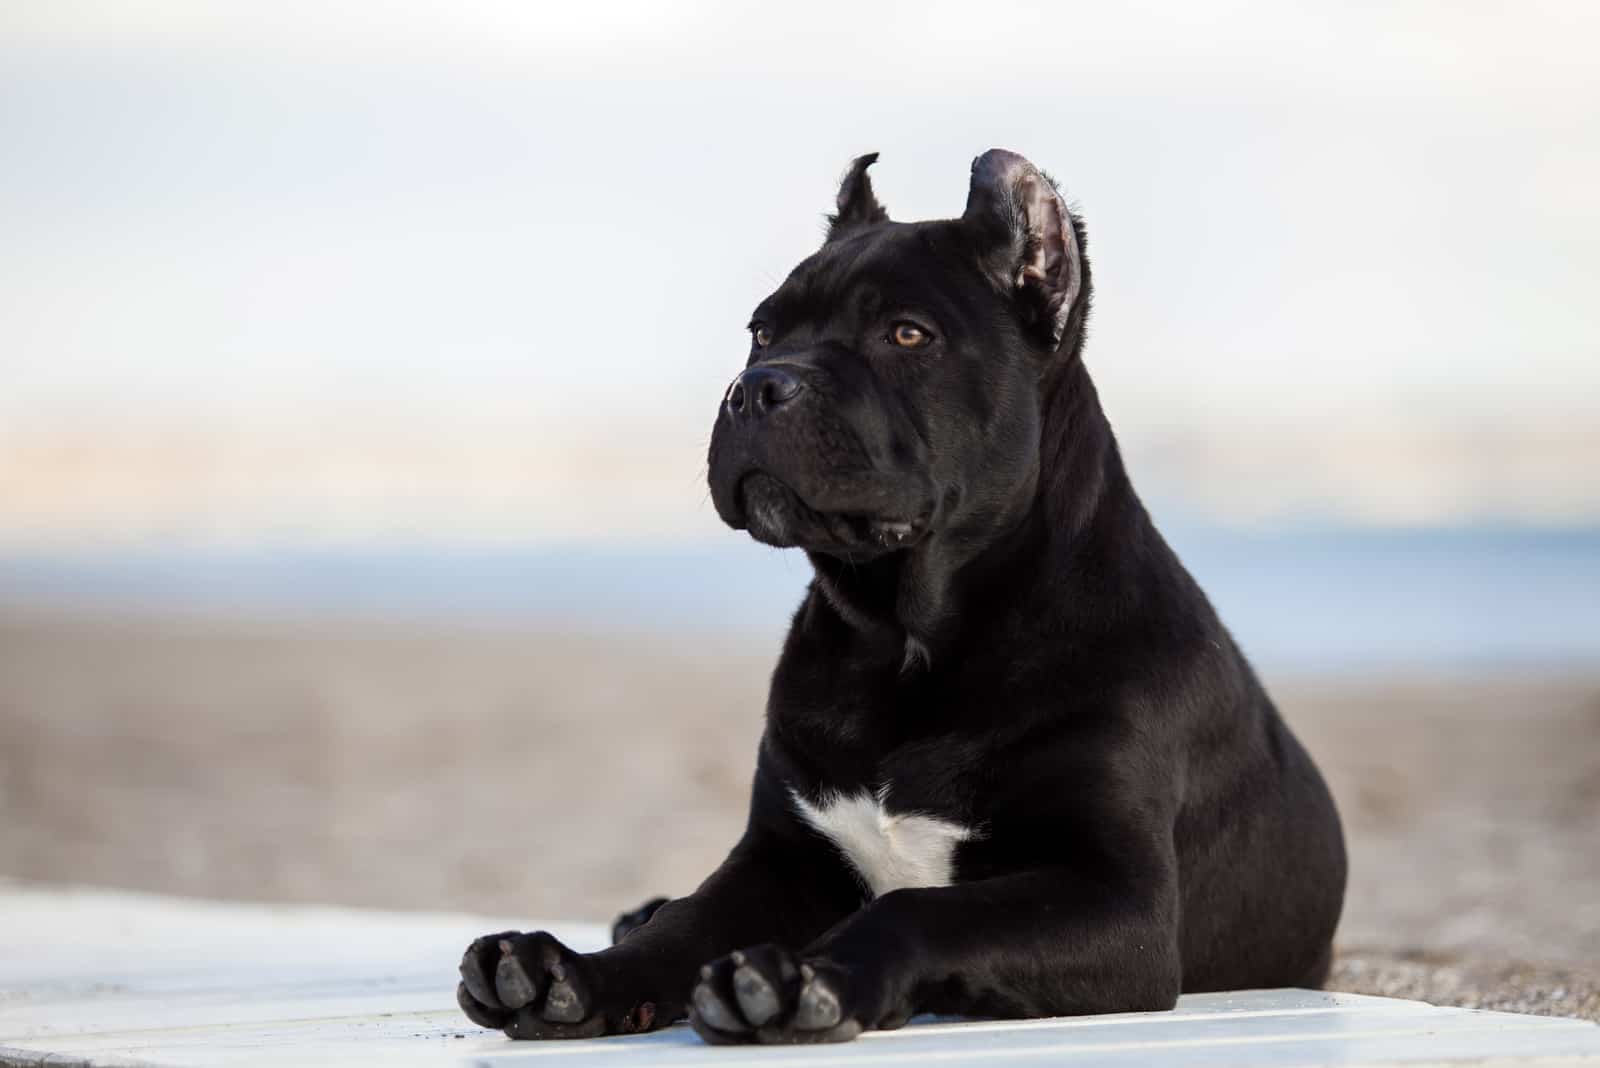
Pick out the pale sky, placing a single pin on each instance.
(480, 271)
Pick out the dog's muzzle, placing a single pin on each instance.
(760, 391)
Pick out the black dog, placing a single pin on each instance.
(1013, 765)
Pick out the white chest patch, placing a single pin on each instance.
(890, 851)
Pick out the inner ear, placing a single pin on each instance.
(1026, 238)
(857, 205)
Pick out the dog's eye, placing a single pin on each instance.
(909, 335)
(761, 335)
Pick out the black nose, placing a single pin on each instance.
(759, 390)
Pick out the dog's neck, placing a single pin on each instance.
(1078, 495)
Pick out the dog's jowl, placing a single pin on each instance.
(1013, 763)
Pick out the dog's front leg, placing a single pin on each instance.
(1045, 942)
(773, 888)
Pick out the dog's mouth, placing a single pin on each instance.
(776, 515)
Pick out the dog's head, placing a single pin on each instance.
(892, 388)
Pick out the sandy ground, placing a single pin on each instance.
(572, 776)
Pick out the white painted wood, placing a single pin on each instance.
(104, 978)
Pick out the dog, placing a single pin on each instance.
(1014, 765)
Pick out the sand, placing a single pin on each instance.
(567, 775)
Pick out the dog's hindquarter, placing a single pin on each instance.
(1263, 870)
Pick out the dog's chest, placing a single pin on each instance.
(890, 850)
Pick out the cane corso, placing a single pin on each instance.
(1013, 763)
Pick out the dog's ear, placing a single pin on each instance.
(1026, 238)
(858, 205)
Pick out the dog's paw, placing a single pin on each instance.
(629, 922)
(765, 995)
(532, 986)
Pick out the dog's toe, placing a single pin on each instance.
(478, 966)
(818, 1006)
(477, 1011)
(513, 984)
(714, 1007)
(765, 980)
(568, 998)
(758, 1000)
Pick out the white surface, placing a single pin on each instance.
(94, 977)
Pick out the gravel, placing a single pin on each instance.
(1503, 986)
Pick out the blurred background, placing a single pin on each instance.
(357, 364)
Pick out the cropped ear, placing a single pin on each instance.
(1026, 238)
(858, 206)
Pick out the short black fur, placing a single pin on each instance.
(997, 638)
